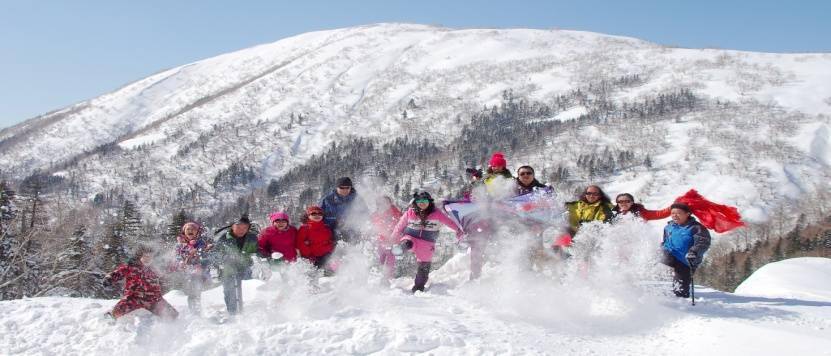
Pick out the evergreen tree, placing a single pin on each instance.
(75, 274)
(7, 209)
(175, 227)
(130, 223)
(113, 248)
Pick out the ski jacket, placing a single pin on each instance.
(283, 241)
(643, 213)
(384, 222)
(535, 185)
(680, 239)
(233, 254)
(140, 282)
(337, 208)
(410, 226)
(314, 239)
(192, 254)
(580, 212)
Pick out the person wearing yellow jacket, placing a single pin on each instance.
(593, 205)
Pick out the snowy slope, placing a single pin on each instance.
(798, 278)
(354, 313)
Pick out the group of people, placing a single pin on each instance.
(339, 217)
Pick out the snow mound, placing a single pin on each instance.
(796, 278)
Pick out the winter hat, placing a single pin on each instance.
(344, 182)
(278, 215)
(498, 160)
(313, 209)
(191, 224)
(422, 195)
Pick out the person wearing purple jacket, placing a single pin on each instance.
(418, 229)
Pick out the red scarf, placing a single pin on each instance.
(720, 218)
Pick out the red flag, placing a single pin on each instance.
(721, 218)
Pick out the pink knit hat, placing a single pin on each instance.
(498, 160)
(278, 215)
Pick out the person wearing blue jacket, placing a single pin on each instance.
(684, 244)
(340, 207)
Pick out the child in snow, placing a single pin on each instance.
(314, 238)
(419, 227)
(193, 264)
(684, 244)
(142, 288)
(384, 218)
(280, 237)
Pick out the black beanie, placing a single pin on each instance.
(344, 182)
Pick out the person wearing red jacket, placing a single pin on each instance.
(314, 238)
(142, 288)
(280, 237)
(384, 219)
(625, 205)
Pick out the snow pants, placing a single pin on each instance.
(232, 291)
(422, 274)
(158, 307)
(194, 283)
(477, 255)
(387, 261)
(681, 277)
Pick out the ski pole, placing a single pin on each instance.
(692, 286)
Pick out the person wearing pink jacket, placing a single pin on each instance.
(418, 229)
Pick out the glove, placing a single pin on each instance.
(462, 246)
(398, 250)
(692, 259)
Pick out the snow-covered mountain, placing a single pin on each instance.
(763, 138)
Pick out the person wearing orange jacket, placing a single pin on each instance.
(314, 238)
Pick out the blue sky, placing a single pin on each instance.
(56, 53)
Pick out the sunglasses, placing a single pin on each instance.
(526, 173)
(316, 213)
(624, 201)
(426, 201)
(345, 187)
(281, 221)
(597, 194)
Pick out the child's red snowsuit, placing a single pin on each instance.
(142, 289)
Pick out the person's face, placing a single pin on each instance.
(146, 259)
(344, 190)
(592, 194)
(679, 216)
(190, 232)
(280, 224)
(526, 176)
(497, 169)
(239, 230)
(422, 203)
(316, 216)
(624, 203)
